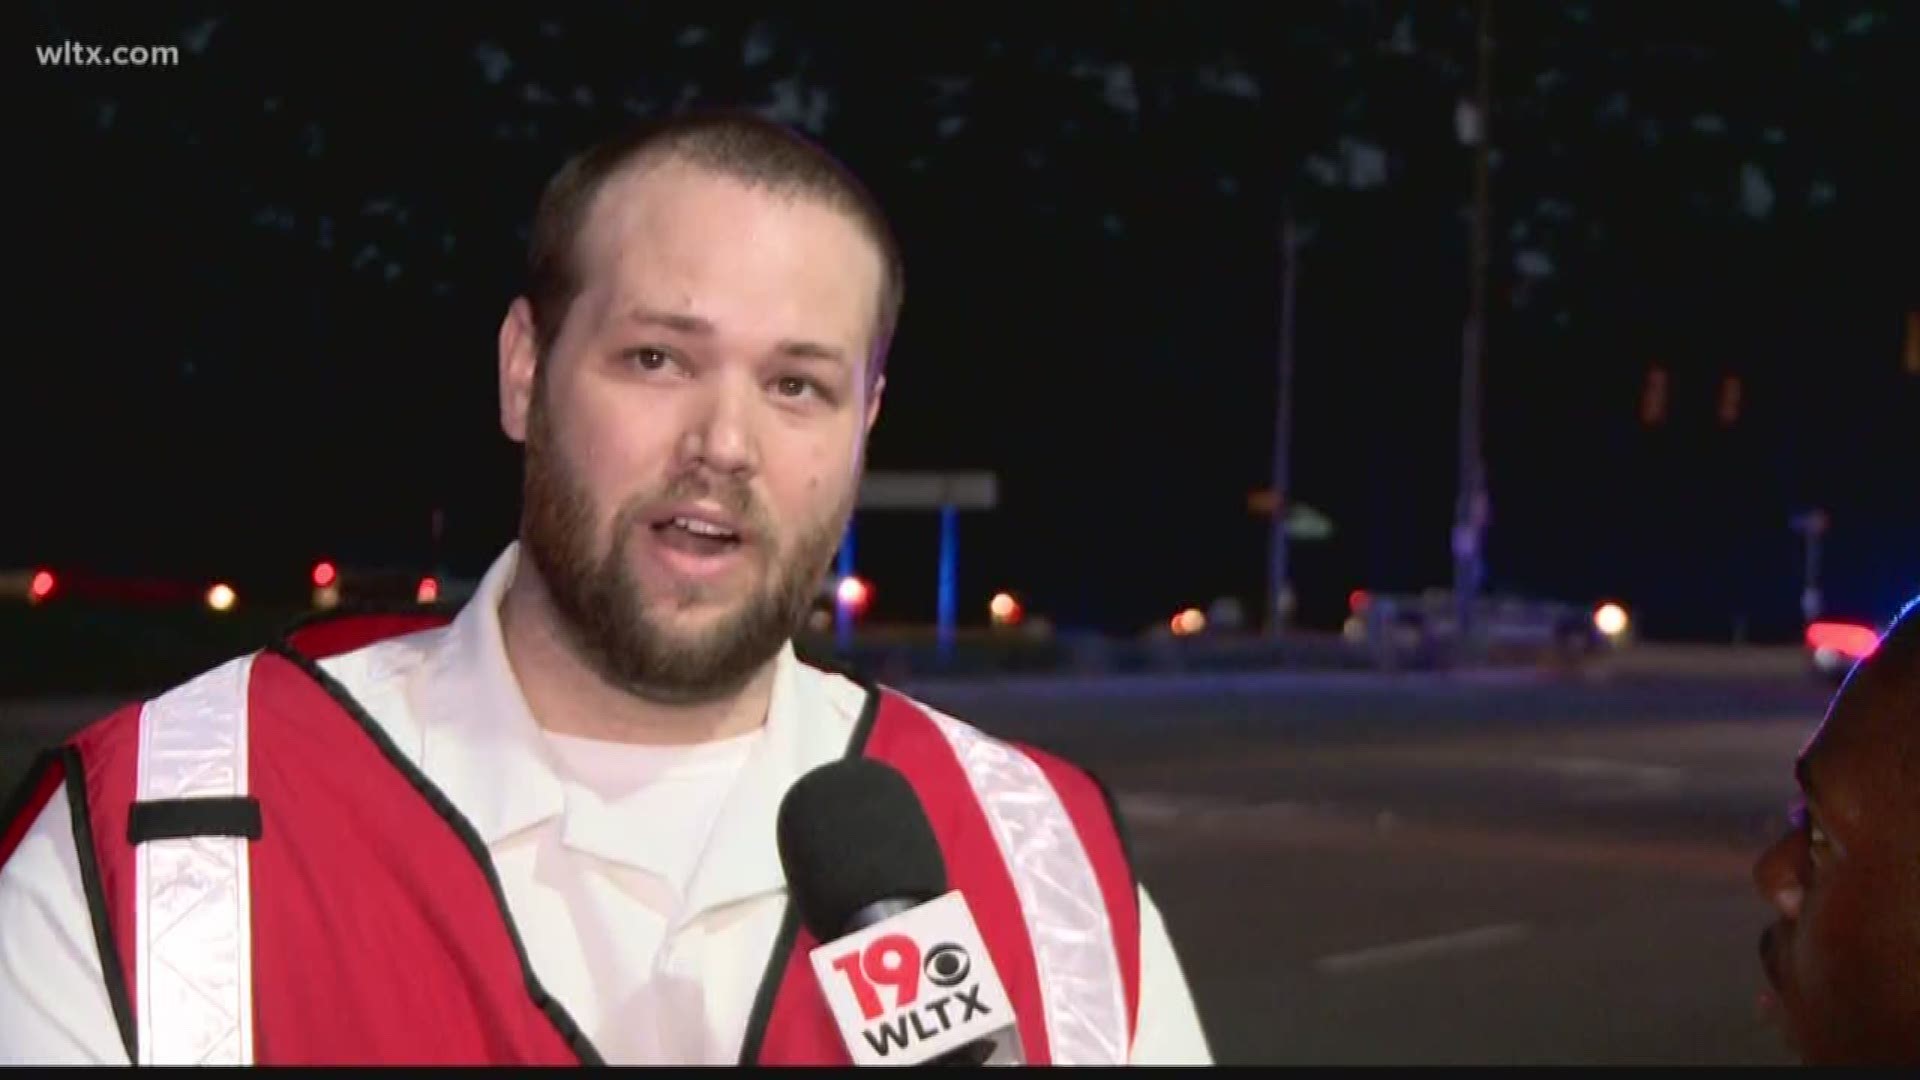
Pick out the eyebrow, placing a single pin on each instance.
(695, 326)
(667, 320)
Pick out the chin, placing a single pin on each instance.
(699, 614)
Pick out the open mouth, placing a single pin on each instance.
(697, 536)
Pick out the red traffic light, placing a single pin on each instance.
(324, 574)
(429, 591)
(41, 587)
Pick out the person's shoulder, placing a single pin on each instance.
(849, 693)
(1060, 769)
(1036, 772)
(841, 692)
(366, 670)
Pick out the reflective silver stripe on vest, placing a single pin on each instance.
(1066, 911)
(193, 931)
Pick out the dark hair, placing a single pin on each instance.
(737, 144)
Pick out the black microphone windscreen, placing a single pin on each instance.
(852, 833)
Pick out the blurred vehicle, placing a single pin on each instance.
(1843, 635)
(328, 585)
(386, 586)
(46, 585)
(1853, 586)
(1835, 645)
(1421, 627)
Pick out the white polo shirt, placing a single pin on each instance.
(645, 882)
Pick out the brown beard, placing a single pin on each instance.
(605, 611)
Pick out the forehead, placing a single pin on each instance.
(1866, 756)
(678, 236)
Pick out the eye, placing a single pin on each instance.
(794, 386)
(647, 358)
(1819, 846)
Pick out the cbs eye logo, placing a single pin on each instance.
(947, 965)
(895, 961)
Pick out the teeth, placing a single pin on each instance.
(702, 528)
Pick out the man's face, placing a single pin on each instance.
(1843, 958)
(695, 437)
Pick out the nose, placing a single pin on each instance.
(721, 436)
(1779, 874)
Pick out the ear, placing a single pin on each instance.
(873, 402)
(518, 368)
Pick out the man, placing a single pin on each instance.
(1843, 959)
(545, 833)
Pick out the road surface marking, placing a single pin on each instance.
(1407, 952)
(1159, 809)
(1645, 777)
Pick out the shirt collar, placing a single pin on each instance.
(810, 719)
(482, 746)
(480, 742)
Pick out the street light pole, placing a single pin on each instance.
(1811, 526)
(1279, 585)
(1470, 515)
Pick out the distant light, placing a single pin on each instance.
(853, 593)
(1610, 619)
(1851, 640)
(327, 597)
(41, 586)
(429, 591)
(1358, 601)
(221, 597)
(1005, 609)
(1190, 621)
(1730, 391)
(324, 575)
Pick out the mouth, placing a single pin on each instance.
(697, 542)
(698, 535)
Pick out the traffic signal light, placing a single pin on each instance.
(1653, 399)
(1730, 394)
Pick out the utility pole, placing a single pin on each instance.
(1811, 526)
(1280, 601)
(1470, 514)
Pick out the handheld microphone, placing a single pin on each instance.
(903, 967)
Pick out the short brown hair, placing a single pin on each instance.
(737, 144)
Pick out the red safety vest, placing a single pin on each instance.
(274, 882)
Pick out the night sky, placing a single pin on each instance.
(259, 290)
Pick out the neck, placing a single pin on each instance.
(568, 697)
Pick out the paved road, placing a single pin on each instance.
(1494, 870)
(1419, 869)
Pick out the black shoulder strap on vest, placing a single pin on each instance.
(176, 819)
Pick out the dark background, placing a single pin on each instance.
(256, 293)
